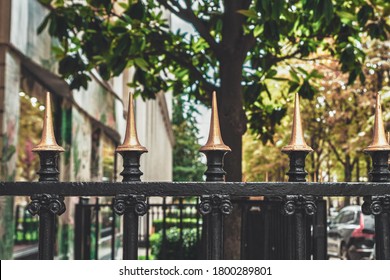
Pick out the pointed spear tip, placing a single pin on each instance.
(48, 141)
(297, 142)
(214, 142)
(379, 141)
(131, 142)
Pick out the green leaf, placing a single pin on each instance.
(293, 87)
(306, 90)
(271, 73)
(141, 63)
(248, 13)
(258, 30)
(364, 14)
(294, 75)
(277, 8)
(328, 10)
(346, 15)
(44, 24)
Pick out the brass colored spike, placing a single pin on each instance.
(297, 142)
(379, 142)
(48, 140)
(215, 142)
(131, 142)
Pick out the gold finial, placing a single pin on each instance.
(131, 142)
(215, 142)
(379, 142)
(297, 142)
(48, 140)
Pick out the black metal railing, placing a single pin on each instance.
(96, 223)
(302, 202)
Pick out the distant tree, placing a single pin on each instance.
(187, 164)
(236, 49)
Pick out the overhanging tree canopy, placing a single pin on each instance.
(235, 50)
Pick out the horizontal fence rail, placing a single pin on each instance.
(233, 189)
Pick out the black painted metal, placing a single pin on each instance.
(214, 207)
(130, 206)
(380, 167)
(181, 252)
(82, 237)
(164, 230)
(131, 171)
(215, 172)
(48, 162)
(380, 205)
(299, 205)
(113, 234)
(97, 228)
(297, 172)
(176, 189)
(320, 231)
(47, 205)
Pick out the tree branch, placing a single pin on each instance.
(336, 153)
(188, 15)
(208, 86)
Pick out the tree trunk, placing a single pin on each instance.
(232, 116)
(348, 166)
(233, 125)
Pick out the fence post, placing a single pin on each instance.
(214, 206)
(379, 205)
(47, 206)
(131, 206)
(298, 205)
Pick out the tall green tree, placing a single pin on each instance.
(235, 50)
(187, 166)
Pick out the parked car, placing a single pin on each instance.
(351, 234)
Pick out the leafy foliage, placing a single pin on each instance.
(187, 166)
(253, 36)
(190, 245)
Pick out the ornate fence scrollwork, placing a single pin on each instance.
(136, 203)
(376, 205)
(295, 202)
(215, 202)
(48, 202)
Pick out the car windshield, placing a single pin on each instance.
(369, 222)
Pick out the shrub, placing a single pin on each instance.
(190, 244)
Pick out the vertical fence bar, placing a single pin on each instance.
(82, 230)
(181, 253)
(379, 206)
(298, 206)
(97, 228)
(47, 206)
(147, 242)
(130, 206)
(319, 232)
(164, 230)
(213, 207)
(113, 234)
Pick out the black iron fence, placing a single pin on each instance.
(301, 202)
(169, 229)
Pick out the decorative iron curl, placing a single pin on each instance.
(125, 203)
(289, 207)
(294, 202)
(205, 206)
(46, 202)
(310, 207)
(376, 205)
(215, 202)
